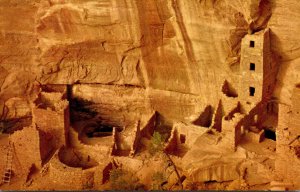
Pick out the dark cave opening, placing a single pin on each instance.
(9, 126)
(83, 110)
(80, 109)
(98, 131)
(270, 134)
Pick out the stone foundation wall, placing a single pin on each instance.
(67, 176)
(3, 154)
(70, 176)
(256, 137)
(222, 172)
(191, 132)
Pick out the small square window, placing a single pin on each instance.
(252, 66)
(251, 91)
(252, 44)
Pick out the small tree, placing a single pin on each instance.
(157, 145)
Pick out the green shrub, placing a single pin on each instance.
(121, 179)
(157, 179)
(157, 143)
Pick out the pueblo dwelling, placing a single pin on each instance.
(78, 148)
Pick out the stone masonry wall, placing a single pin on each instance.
(51, 116)
(70, 176)
(232, 130)
(257, 69)
(26, 151)
(51, 122)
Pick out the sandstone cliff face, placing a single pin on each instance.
(181, 52)
(284, 26)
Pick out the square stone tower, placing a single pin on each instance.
(51, 116)
(257, 73)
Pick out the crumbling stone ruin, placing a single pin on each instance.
(149, 95)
